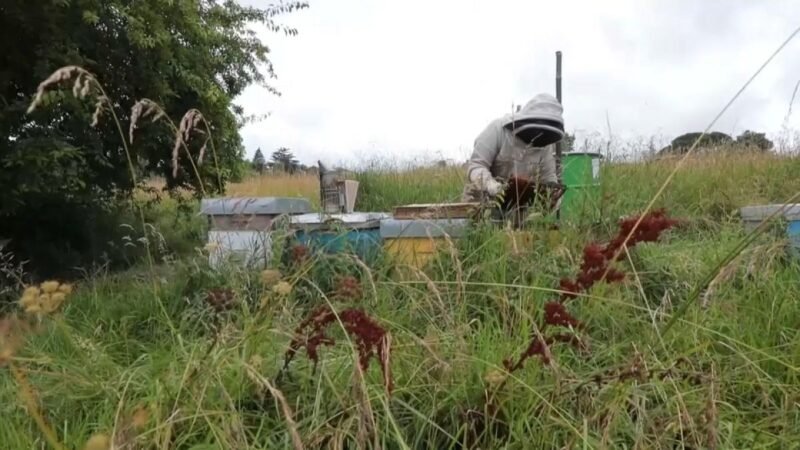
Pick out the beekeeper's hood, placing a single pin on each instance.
(539, 123)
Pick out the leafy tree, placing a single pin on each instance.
(259, 163)
(283, 160)
(752, 139)
(58, 174)
(684, 142)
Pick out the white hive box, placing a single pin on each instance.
(240, 227)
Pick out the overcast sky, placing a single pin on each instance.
(421, 78)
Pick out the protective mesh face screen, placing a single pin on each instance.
(538, 137)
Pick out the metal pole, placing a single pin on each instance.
(559, 145)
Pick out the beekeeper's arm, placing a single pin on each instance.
(547, 166)
(479, 167)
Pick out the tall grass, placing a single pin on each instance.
(207, 379)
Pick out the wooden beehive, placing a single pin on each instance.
(240, 228)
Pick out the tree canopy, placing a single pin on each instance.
(282, 159)
(748, 139)
(181, 54)
(259, 163)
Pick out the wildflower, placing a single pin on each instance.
(140, 417)
(299, 253)
(348, 288)
(494, 377)
(98, 441)
(32, 291)
(270, 276)
(557, 315)
(51, 302)
(46, 298)
(221, 299)
(596, 266)
(282, 288)
(371, 340)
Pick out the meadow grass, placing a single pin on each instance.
(144, 348)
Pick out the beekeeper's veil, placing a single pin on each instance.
(539, 123)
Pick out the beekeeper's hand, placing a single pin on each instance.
(493, 187)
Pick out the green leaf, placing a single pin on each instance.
(91, 17)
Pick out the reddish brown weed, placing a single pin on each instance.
(595, 267)
(370, 339)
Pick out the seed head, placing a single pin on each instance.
(494, 377)
(99, 441)
(270, 276)
(140, 417)
(48, 287)
(46, 298)
(282, 288)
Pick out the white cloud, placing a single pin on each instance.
(422, 78)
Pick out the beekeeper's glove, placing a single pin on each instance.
(493, 187)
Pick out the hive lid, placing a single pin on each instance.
(348, 219)
(582, 153)
(791, 211)
(436, 210)
(254, 205)
(394, 228)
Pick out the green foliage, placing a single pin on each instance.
(684, 142)
(259, 163)
(187, 54)
(754, 140)
(283, 160)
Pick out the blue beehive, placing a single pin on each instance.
(752, 216)
(355, 233)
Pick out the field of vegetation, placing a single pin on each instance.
(659, 324)
(691, 342)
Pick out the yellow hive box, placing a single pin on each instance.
(412, 251)
(413, 242)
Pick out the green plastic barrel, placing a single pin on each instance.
(580, 173)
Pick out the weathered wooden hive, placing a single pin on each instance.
(240, 228)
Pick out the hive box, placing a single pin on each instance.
(752, 216)
(240, 227)
(356, 233)
(414, 241)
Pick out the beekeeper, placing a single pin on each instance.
(519, 144)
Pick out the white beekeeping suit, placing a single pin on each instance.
(519, 144)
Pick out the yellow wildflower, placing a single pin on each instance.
(28, 300)
(66, 289)
(98, 442)
(47, 298)
(32, 291)
(58, 297)
(494, 377)
(282, 288)
(140, 417)
(51, 302)
(49, 287)
(270, 277)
